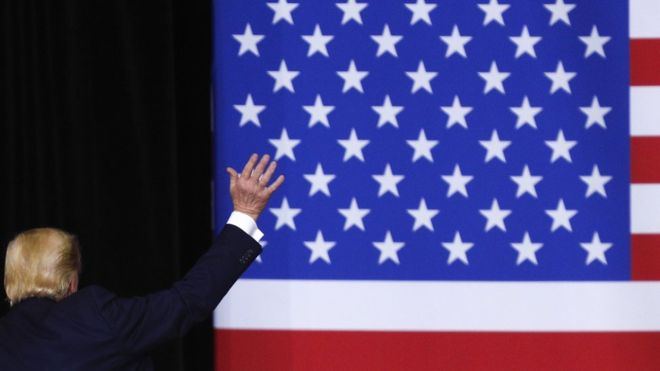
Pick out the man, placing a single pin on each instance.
(53, 326)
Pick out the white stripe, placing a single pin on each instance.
(440, 306)
(453, 306)
(645, 109)
(645, 208)
(644, 19)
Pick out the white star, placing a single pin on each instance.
(318, 113)
(284, 145)
(526, 182)
(594, 43)
(263, 246)
(420, 11)
(596, 182)
(353, 146)
(525, 43)
(351, 11)
(495, 216)
(494, 78)
(319, 248)
(526, 250)
(354, 215)
(456, 113)
(422, 147)
(526, 114)
(495, 147)
(561, 217)
(388, 182)
(493, 12)
(248, 41)
(318, 42)
(387, 113)
(352, 78)
(421, 78)
(283, 77)
(282, 11)
(596, 249)
(319, 181)
(423, 216)
(457, 182)
(560, 79)
(457, 249)
(559, 12)
(388, 249)
(455, 42)
(386, 42)
(561, 147)
(285, 215)
(596, 113)
(249, 111)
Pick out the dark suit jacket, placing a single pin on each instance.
(95, 330)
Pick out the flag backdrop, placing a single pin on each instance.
(470, 185)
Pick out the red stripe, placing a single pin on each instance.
(359, 351)
(646, 257)
(644, 57)
(645, 159)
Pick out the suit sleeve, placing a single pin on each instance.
(142, 322)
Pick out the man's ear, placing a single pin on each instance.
(73, 285)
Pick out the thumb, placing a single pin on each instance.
(233, 175)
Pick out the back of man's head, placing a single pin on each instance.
(42, 262)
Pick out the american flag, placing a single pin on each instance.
(458, 172)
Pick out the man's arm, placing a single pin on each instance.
(143, 322)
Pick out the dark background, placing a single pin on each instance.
(105, 132)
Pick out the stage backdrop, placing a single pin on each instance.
(470, 184)
(104, 132)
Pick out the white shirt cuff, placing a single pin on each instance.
(246, 224)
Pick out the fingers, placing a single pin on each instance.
(260, 167)
(257, 173)
(269, 173)
(247, 170)
(276, 184)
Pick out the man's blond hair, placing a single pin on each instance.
(41, 262)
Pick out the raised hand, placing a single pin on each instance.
(249, 190)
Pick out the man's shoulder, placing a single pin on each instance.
(87, 306)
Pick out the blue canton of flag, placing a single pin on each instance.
(431, 141)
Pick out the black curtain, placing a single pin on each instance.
(105, 132)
